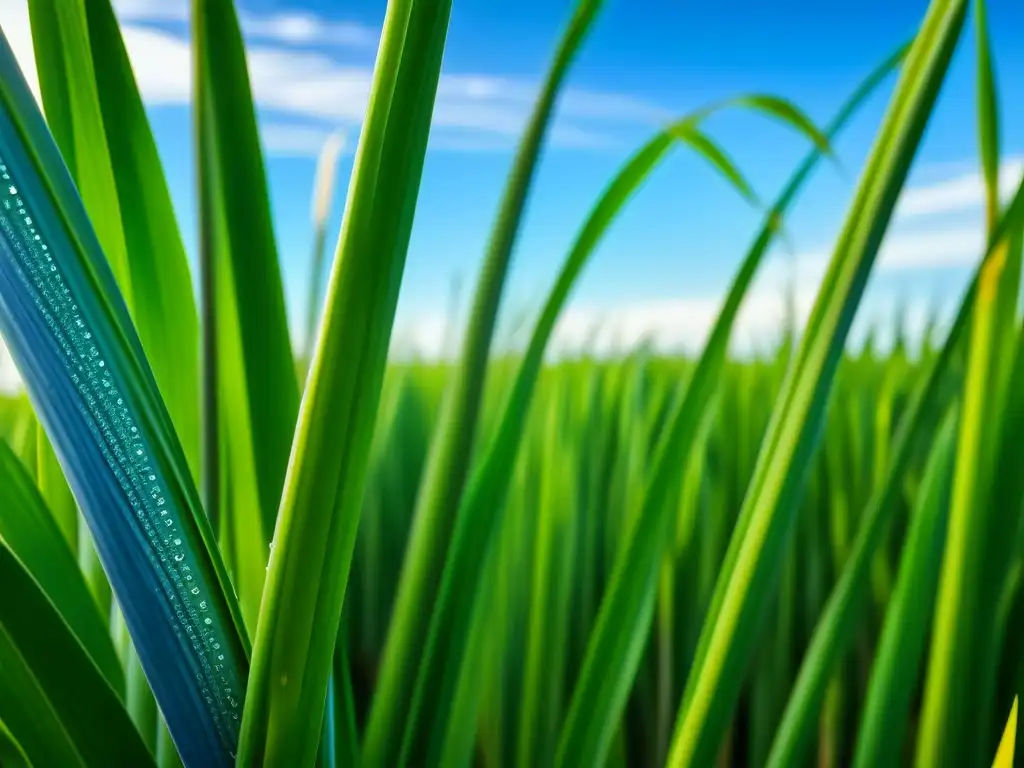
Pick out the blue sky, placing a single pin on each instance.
(664, 267)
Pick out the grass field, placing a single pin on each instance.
(216, 549)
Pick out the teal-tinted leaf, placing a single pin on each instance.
(70, 334)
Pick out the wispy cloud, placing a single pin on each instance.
(963, 192)
(152, 10)
(300, 28)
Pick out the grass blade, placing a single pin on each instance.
(1004, 755)
(836, 626)
(71, 337)
(897, 665)
(755, 553)
(257, 391)
(298, 627)
(959, 680)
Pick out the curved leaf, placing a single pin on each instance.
(623, 622)
(445, 657)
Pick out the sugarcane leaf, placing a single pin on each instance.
(71, 336)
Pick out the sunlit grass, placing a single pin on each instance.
(216, 549)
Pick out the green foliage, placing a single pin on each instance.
(511, 559)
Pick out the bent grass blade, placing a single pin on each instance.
(755, 555)
(445, 659)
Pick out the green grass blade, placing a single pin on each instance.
(68, 84)
(257, 390)
(451, 448)
(543, 672)
(898, 662)
(298, 626)
(755, 554)
(54, 489)
(83, 366)
(28, 530)
(623, 622)
(53, 699)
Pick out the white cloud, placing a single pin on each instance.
(289, 27)
(297, 140)
(675, 325)
(151, 10)
(299, 28)
(963, 192)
